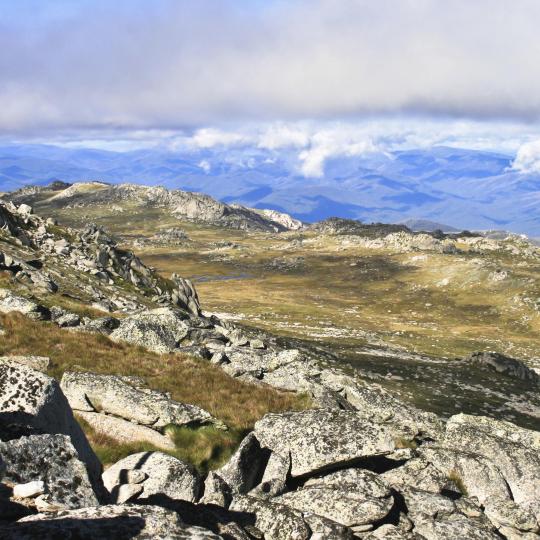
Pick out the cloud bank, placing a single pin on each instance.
(528, 158)
(179, 64)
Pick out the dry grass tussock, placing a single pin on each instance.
(188, 379)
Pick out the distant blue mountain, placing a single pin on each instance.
(464, 188)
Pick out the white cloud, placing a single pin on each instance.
(528, 158)
(282, 135)
(205, 166)
(331, 143)
(210, 137)
(183, 64)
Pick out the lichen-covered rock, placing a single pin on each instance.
(159, 330)
(478, 476)
(112, 394)
(124, 431)
(276, 521)
(351, 497)
(318, 439)
(166, 476)
(421, 474)
(121, 522)
(513, 450)
(10, 302)
(53, 460)
(39, 363)
(30, 399)
(245, 468)
(377, 403)
(457, 527)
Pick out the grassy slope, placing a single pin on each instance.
(188, 379)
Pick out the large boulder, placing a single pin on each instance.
(325, 439)
(121, 522)
(10, 302)
(375, 402)
(351, 497)
(166, 476)
(513, 450)
(31, 402)
(53, 460)
(159, 330)
(275, 521)
(112, 394)
(124, 431)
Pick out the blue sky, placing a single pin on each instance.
(322, 75)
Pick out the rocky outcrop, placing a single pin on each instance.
(10, 302)
(113, 521)
(324, 439)
(32, 402)
(159, 475)
(159, 330)
(91, 392)
(504, 365)
(53, 460)
(182, 204)
(125, 431)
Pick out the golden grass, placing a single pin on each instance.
(187, 378)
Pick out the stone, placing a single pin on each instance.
(422, 474)
(127, 492)
(110, 521)
(505, 365)
(513, 450)
(111, 394)
(28, 490)
(320, 439)
(276, 521)
(10, 302)
(53, 460)
(25, 210)
(101, 325)
(351, 497)
(34, 401)
(166, 476)
(374, 402)
(257, 344)
(159, 330)
(245, 468)
(68, 320)
(454, 527)
(478, 476)
(504, 513)
(274, 477)
(39, 363)
(124, 431)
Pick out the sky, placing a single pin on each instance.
(324, 76)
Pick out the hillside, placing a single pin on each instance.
(288, 425)
(182, 204)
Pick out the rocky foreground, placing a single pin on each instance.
(359, 464)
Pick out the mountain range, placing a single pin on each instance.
(466, 189)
